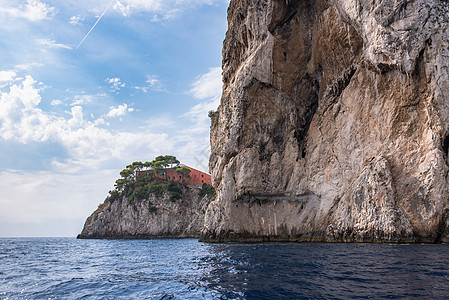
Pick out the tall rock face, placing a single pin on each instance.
(333, 123)
(155, 217)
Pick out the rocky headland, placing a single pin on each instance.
(333, 123)
(157, 199)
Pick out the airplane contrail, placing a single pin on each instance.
(98, 20)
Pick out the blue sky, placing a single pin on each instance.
(74, 112)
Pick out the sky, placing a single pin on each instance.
(87, 87)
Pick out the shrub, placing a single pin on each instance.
(141, 192)
(174, 197)
(128, 190)
(102, 206)
(157, 188)
(174, 188)
(206, 189)
(145, 179)
(211, 113)
(113, 195)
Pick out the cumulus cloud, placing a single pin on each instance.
(86, 142)
(77, 119)
(20, 118)
(121, 110)
(7, 75)
(33, 11)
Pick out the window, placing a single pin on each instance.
(195, 176)
(202, 181)
(208, 180)
(180, 177)
(168, 177)
(194, 181)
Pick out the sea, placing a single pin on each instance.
(67, 268)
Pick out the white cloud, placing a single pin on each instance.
(124, 10)
(53, 198)
(115, 84)
(19, 117)
(208, 85)
(172, 13)
(85, 99)
(7, 75)
(33, 11)
(112, 80)
(52, 44)
(195, 138)
(56, 102)
(164, 9)
(199, 114)
(125, 6)
(121, 110)
(152, 80)
(155, 19)
(76, 20)
(27, 67)
(77, 119)
(86, 142)
(153, 84)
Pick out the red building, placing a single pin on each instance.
(195, 177)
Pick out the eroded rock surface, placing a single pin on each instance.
(333, 123)
(155, 217)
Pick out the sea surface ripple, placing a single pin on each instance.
(66, 268)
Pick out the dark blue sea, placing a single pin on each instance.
(66, 268)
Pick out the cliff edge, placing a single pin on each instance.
(333, 123)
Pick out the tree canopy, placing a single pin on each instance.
(138, 186)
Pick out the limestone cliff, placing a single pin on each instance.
(154, 217)
(333, 123)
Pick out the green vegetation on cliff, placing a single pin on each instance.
(139, 180)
